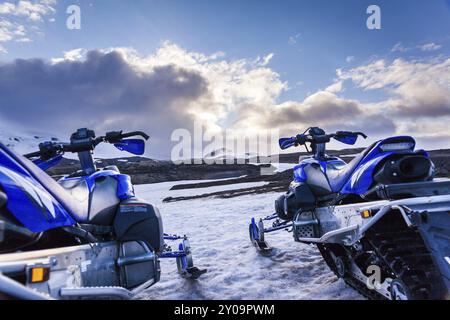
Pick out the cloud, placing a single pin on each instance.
(34, 11)
(103, 92)
(413, 91)
(398, 47)
(430, 47)
(266, 60)
(19, 21)
(323, 108)
(12, 31)
(335, 87)
(7, 8)
(119, 89)
(417, 88)
(294, 39)
(71, 55)
(349, 59)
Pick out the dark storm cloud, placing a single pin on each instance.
(425, 109)
(103, 92)
(322, 109)
(325, 110)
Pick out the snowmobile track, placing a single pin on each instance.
(401, 254)
(404, 256)
(361, 288)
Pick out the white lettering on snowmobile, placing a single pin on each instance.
(447, 259)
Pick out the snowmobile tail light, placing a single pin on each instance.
(40, 274)
(397, 146)
(366, 214)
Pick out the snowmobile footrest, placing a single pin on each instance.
(96, 292)
(194, 272)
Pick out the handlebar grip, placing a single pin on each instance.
(301, 139)
(136, 133)
(111, 137)
(48, 150)
(361, 134)
(347, 133)
(32, 155)
(117, 136)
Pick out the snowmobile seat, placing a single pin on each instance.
(100, 206)
(338, 177)
(58, 192)
(76, 208)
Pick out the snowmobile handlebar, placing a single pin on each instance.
(118, 136)
(317, 136)
(80, 141)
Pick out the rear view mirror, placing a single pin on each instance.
(347, 139)
(134, 146)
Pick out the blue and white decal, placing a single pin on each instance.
(29, 202)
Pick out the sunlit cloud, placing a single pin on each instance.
(20, 20)
(32, 10)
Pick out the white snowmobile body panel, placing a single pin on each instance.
(345, 224)
(87, 271)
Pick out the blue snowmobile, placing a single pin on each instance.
(381, 222)
(86, 236)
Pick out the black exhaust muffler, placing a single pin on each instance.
(410, 168)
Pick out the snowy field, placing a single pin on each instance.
(218, 230)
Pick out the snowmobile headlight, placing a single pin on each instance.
(397, 146)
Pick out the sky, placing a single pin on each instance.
(246, 66)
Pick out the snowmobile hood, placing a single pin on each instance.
(30, 199)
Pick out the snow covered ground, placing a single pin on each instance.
(23, 142)
(218, 229)
(281, 167)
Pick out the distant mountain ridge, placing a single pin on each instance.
(146, 170)
(22, 142)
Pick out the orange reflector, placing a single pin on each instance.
(39, 274)
(366, 214)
